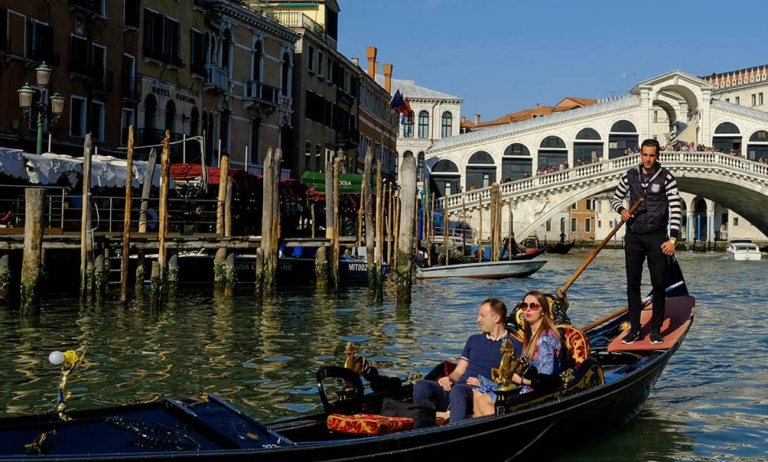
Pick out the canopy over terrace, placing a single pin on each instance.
(54, 169)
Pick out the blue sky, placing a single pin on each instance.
(505, 55)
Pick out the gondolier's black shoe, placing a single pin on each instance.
(656, 337)
(632, 337)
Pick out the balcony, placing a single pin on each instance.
(216, 78)
(90, 6)
(170, 59)
(349, 138)
(98, 77)
(262, 93)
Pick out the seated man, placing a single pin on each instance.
(481, 353)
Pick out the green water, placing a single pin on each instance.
(710, 403)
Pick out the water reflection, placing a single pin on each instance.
(262, 355)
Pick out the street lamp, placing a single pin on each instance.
(27, 102)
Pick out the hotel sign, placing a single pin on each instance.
(177, 96)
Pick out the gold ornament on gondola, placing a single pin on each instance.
(508, 367)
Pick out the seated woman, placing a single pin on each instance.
(541, 345)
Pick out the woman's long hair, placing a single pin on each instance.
(547, 324)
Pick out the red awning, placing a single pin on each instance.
(291, 190)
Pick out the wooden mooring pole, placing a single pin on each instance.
(31, 272)
(406, 235)
(369, 224)
(480, 250)
(389, 224)
(125, 257)
(159, 281)
(336, 241)
(86, 236)
(146, 189)
(264, 281)
(5, 278)
(219, 269)
(379, 230)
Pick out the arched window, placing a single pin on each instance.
(552, 153)
(170, 116)
(447, 125)
(587, 147)
(286, 74)
(444, 178)
(587, 134)
(407, 128)
(623, 139)
(758, 146)
(225, 50)
(516, 149)
(194, 122)
(623, 126)
(257, 57)
(481, 157)
(481, 171)
(727, 128)
(552, 142)
(759, 136)
(423, 124)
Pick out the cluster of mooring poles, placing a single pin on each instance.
(387, 225)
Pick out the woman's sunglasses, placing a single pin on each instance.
(525, 306)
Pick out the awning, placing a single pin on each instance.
(291, 190)
(350, 183)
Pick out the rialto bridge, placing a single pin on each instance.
(738, 184)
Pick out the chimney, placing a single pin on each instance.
(538, 105)
(477, 119)
(388, 78)
(356, 62)
(371, 54)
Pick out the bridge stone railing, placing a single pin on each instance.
(601, 171)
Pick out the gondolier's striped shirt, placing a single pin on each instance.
(673, 198)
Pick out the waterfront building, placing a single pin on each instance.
(378, 123)
(325, 87)
(436, 116)
(85, 44)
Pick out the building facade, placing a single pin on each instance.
(326, 87)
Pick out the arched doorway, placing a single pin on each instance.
(150, 112)
(587, 147)
(170, 116)
(481, 171)
(552, 153)
(758, 145)
(194, 122)
(727, 137)
(516, 163)
(445, 178)
(623, 136)
(699, 225)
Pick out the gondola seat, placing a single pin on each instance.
(368, 424)
(577, 344)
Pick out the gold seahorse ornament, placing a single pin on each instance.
(508, 367)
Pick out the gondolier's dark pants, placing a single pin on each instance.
(428, 393)
(636, 248)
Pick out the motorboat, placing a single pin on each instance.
(744, 249)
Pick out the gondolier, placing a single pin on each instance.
(646, 234)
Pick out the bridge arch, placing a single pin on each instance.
(587, 146)
(516, 162)
(727, 136)
(757, 146)
(480, 171)
(623, 135)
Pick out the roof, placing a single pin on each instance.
(566, 104)
(743, 110)
(411, 90)
(509, 129)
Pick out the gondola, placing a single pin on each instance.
(607, 390)
(561, 248)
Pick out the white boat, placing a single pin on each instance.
(744, 249)
(484, 270)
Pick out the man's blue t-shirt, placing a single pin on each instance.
(482, 354)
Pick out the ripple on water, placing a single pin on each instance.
(709, 404)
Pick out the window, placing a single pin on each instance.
(549, 225)
(727, 100)
(77, 117)
(255, 147)
(754, 99)
(311, 59)
(258, 54)
(127, 120)
(610, 224)
(738, 101)
(286, 75)
(590, 204)
(423, 124)
(760, 99)
(129, 76)
(307, 155)
(573, 225)
(587, 225)
(318, 158)
(655, 116)
(197, 53)
(407, 129)
(599, 223)
(132, 13)
(447, 125)
(40, 41)
(573, 206)
(735, 221)
(320, 64)
(97, 120)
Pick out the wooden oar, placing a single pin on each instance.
(598, 249)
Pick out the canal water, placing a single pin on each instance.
(710, 403)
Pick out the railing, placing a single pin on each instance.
(607, 169)
(155, 136)
(216, 77)
(160, 55)
(262, 92)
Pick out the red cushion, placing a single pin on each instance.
(368, 424)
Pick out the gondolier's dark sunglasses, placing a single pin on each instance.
(533, 306)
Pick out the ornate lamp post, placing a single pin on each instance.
(27, 101)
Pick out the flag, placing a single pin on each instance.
(397, 102)
(407, 110)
